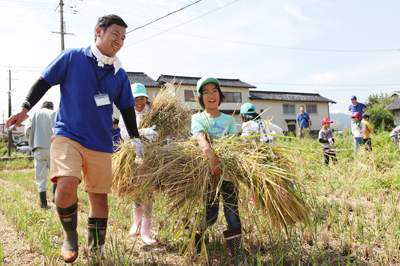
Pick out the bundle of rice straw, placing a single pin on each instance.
(182, 173)
(171, 116)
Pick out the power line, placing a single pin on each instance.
(327, 85)
(184, 23)
(164, 16)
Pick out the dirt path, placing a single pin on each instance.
(16, 251)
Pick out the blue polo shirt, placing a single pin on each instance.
(78, 117)
(303, 122)
(357, 109)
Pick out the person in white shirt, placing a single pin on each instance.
(254, 125)
(358, 130)
(395, 136)
(39, 132)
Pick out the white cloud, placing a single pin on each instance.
(297, 12)
(324, 78)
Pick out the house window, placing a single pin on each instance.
(16, 137)
(189, 96)
(289, 109)
(311, 108)
(232, 97)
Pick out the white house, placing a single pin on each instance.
(395, 108)
(284, 107)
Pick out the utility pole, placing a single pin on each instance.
(62, 33)
(9, 111)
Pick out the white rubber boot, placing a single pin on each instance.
(137, 221)
(145, 232)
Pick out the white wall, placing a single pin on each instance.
(276, 111)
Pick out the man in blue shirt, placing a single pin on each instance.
(356, 107)
(303, 122)
(91, 80)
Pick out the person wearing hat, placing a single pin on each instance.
(358, 129)
(212, 124)
(142, 209)
(254, 125)
(39, 132)
(116, 132)
(327, 140)
(356, 107)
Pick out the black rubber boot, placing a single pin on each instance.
(69, 220)
(97, 229)
(54, 192)
(198, 242)
(234, 240)
(43, 200)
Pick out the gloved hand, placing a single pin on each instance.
(137, 146)
(149, 133)
(357, 123)
(330, 141)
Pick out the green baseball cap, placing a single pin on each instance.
(138, 89)
(248, 108)
(205, 80)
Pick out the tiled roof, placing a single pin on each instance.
(394, 105)
(141, 77)
(288, 96)
(237, 83)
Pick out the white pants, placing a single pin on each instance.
(42, 165)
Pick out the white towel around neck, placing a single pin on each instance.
(106, 60)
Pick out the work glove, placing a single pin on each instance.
(149, 133)
(137, 146)
(330, 141)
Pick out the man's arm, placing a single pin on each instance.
(39, 88)
(129, 117)
(366, 109)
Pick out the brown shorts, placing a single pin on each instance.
(69, 158)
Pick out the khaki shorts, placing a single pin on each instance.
(69, 158)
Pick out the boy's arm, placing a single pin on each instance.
(208, 151)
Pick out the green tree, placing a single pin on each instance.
(377, 114)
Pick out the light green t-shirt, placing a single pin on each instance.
(224, 125)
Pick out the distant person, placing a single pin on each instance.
(327, 140)
(356, 107)
(395, 136)
(358, 130)
(116, 133)
(303, 122)
(368, 130)
(39, 132)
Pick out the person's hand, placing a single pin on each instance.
(299, 129)
(18, 118)
(214, 166)
(149, 133)
(137, 146)
(330, 141)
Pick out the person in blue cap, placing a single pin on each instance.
(254, 125)
(142, 209)
(212, 124)
(356, 107)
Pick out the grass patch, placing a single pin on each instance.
(355, 216)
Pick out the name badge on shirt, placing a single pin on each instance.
(102, 99)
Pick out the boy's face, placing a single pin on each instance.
(115, 126)
(140, 103)
(327, 125)
(109, 42)
(210, 94)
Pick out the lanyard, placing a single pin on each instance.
(97, 76)
(326, 132)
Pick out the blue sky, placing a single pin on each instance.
(335, 48)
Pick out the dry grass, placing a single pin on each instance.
(168, 113)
